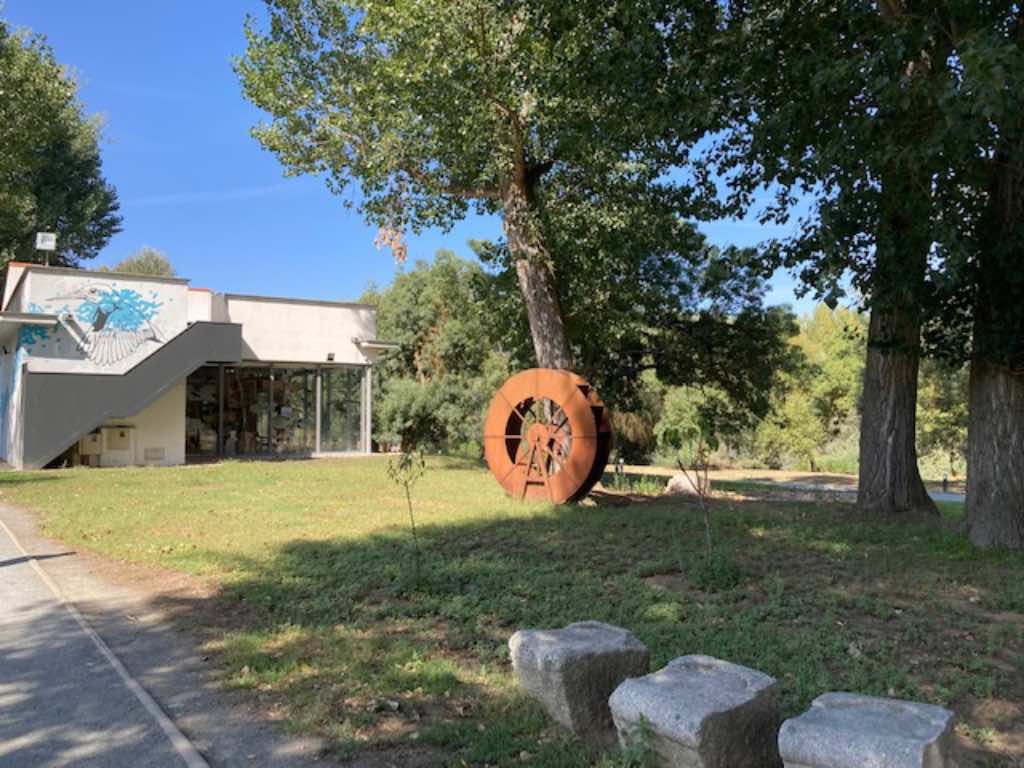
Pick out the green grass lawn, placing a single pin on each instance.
(316, 604)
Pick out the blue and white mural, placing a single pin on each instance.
(113, 323)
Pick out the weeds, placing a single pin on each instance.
(404, 470)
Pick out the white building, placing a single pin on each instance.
(112, 369)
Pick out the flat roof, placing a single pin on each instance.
(97, 273)
(287, 300)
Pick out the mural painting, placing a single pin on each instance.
(113, 323)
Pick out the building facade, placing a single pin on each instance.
(111, 369)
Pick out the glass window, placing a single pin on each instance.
(246, 412)
(202, 412)
(293, 414)
(341, 409)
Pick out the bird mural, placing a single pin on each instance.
(115, 322)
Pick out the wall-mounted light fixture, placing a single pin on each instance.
(330, 357)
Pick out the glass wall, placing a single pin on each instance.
(202, 409)
(293, 417)
(341, 409)
(273, 410)
(246, 411)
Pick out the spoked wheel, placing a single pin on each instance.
(547, 436)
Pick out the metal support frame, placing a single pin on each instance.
(220, 410)
(366, 407)
(317, 373)
(319, 405)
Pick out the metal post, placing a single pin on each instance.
(220, 410)
(270, 409)
(318, 408)
(367, 409)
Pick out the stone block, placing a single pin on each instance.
(703, 712)
(573, 671)
(687, 484)
(847, 730)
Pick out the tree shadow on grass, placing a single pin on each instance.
(356, 643)
(11, 477)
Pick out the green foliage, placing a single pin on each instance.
(637, 750)
(548, 114)
(432, 107)
(820, 397)
(739, 356)
(834, 345)
(435, 389)
(405, 470)
(717, 571)
(633, 422)
(145, 261)
(900, 121)
(50, 175)
(792, 432)
(681, 425)
(641, 289)
(942, 413)
(310, 558)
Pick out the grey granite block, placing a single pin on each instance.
(847, 730)
(703, 713)
(572, 672)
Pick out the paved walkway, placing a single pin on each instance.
(845, 485)
(108, 679)
(62, 702)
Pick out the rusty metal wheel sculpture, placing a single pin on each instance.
(547, 436)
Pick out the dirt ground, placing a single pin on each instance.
(826, 480)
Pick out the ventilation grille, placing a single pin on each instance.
(154, 454)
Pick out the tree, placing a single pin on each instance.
(145, 261)
(942, 411)
(833, 341)
(793, 429)
(839, 100)
(979, 251)
(642, 290)
(50, 169)
(435, 389)
(904, 117)
(435, 107)
(821, 394)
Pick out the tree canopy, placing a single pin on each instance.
(50, 170)
(901, 120)
(145, 261)
(436, 108)
(434, 390)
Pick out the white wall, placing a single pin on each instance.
(13, 286)
(138, 315)
(297, 331)
(160, 426)
(200, 305)
(8, 403)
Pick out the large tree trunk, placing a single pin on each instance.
(995, 456)
(995, 427)
(536, 276)
(889, 482)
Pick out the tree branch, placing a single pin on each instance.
(455, 190)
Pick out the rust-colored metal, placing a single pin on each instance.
(547, 436)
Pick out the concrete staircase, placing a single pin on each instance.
(59, 408)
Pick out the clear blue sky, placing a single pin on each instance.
(191, 180)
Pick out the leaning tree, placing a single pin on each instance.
(436, 107)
